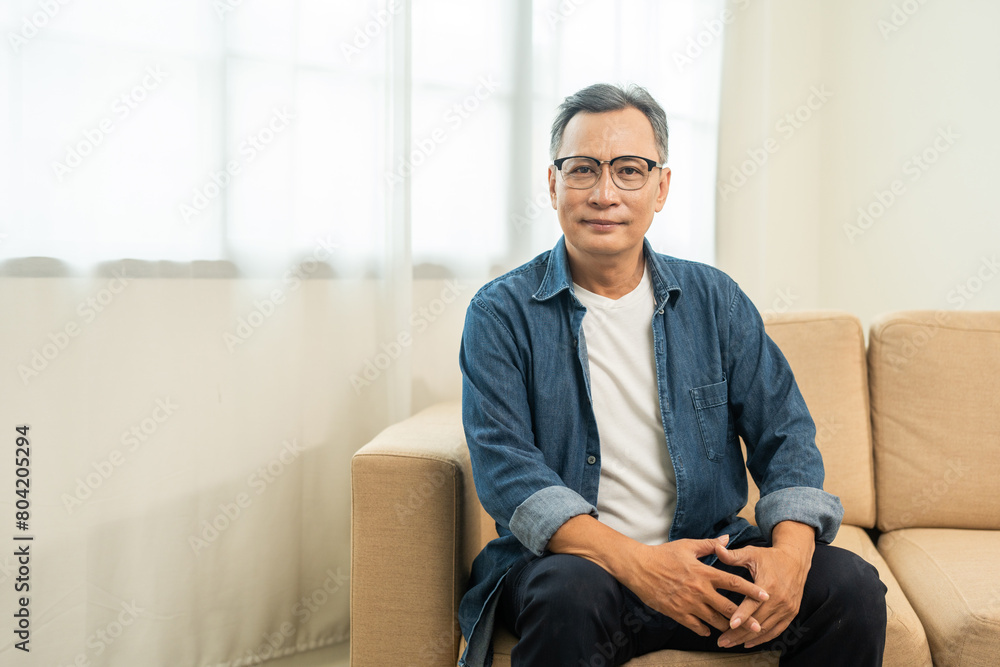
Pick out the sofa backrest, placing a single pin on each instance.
(826, 350)
(935, 387)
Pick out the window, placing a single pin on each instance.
(229, 130)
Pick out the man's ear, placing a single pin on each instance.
(552, 185)
(662, 188)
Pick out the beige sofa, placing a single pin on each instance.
(930, 480)
(935, 406)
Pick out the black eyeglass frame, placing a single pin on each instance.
(652, 164)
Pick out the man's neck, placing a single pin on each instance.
(609, 276)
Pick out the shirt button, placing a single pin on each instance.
(591, 459)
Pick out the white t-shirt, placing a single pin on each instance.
(638, 491)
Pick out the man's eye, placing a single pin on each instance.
(628, 171)
(583, 170)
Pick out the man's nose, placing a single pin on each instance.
(605, 192)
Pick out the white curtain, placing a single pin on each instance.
(236, 241)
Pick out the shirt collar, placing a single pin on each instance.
(558, 278)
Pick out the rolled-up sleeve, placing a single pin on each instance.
(774, 422)
(540, 516)
(813, 507)
(514, 483)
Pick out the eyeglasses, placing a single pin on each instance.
(628, 172)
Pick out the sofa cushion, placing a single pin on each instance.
(935, 388)
(949, 575)
(503, 642)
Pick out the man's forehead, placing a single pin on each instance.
(610, 130)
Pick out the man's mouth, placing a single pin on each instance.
(602, 225)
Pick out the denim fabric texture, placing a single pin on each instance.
(532, 435)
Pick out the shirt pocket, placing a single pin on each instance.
(711, 408)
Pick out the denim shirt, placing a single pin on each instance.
(532, 435)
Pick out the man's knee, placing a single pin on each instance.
(573, 603)
(570, 584)
(852, 587)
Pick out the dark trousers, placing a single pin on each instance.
(570, 612)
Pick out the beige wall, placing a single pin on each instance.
(922, 76)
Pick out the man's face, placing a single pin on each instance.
(605, 220)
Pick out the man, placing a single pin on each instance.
(605, 390)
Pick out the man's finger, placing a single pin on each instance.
(772, 623)
(694, 624)
(709, 546)
(723, 609)
(743, 616)
(738, 557)
(746, 631)
(714, 618)
(740, 635)
(737, 584)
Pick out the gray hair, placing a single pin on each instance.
(602, 97)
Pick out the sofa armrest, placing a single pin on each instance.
(414, 533)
